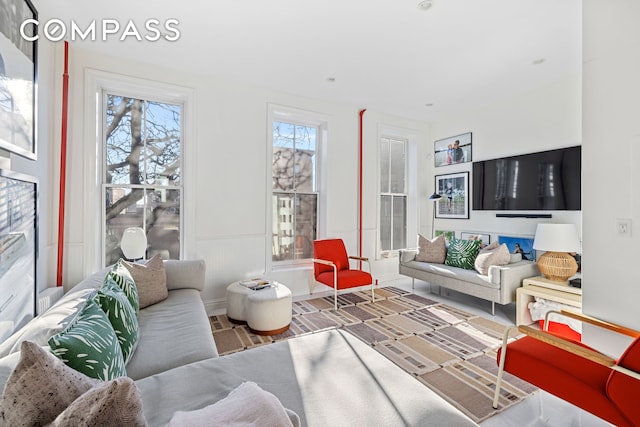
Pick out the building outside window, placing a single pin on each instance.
(393, 195)
(142, 173)
(294, 190)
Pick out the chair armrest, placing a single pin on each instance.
(324, 261)
(569, 346)
(597, 322)
(359, 258)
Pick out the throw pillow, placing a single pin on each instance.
(150, 280)
(113, 403)
(515, 258)
(246, 405)
(122, 317)
(492, 255)
(434, 250)
(462, 253)
(40, 388)
(122, 277)
(90, 345)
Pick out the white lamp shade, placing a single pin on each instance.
(556, 238)
(134, 243)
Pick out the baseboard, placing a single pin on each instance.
(215, 306)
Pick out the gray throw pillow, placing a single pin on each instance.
(150, 279)
(434, 251)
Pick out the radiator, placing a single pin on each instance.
(48, 297)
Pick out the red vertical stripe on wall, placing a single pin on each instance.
(63, 163)
(360, 167)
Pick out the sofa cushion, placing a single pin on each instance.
(122, 278)
(494, 254)
(247, 404)
(90, 345)
(150, 279)
(173, 332)
(434, 250)
(122, 317)
(40, 388)
(112, 403)
(462, 253)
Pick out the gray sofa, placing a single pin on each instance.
(498, 286)
(328, 378)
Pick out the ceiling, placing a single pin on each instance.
(385, 55)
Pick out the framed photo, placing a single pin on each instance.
(18, 71)
(519, 245)
(448, 235)
(452, 150)
(18, 249)
(454, 189)
(484, 238)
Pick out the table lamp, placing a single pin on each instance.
(434, 197)
(557, 240)
(134, 243)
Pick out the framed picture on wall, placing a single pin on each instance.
(452, 150)
(18, 71)
(483, 237)
(519, 245)
(454, 189)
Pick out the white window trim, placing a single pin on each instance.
(95, 83)
(411, 176)
(283, 113)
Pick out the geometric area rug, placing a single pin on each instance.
(447, 349)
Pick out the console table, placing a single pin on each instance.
(547, 289)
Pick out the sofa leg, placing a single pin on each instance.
(413, 284)
(493, 308)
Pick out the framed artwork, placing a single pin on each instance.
(18, 250)
(18, 71)
(454, 189)
(452, 150)
(519, 245)
(448, 235)
(485, 238)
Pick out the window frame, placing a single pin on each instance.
(279, 113)
(387, 253)
(98, 82)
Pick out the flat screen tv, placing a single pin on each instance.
(547, 180)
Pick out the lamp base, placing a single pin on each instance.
(557, 266)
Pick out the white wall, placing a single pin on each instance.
(545, 119)
(230, 173)
(611, 155)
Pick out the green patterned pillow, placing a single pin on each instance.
(462, 253)
(90, 345)
(115, 304)
(123, 279)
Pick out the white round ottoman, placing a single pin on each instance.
(268, 310)
(237, 302)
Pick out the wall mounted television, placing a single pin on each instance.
(543, 181)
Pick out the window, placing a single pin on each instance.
(142, 173)
(393, 195)
(294, 190)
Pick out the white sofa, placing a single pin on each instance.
(328, 378)
(498, 286)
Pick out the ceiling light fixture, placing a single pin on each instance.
(425, 5)
(331, 79)
(538, 61)
(430, 104)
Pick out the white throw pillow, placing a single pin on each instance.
(493, 254)
(248, 404)
(434, 250)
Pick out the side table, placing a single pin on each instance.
(549, 290)
(265, 309)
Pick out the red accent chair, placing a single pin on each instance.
(574, 372)
(331, 267)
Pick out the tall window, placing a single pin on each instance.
(294, 190)
(393, 194)
(142, 174)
